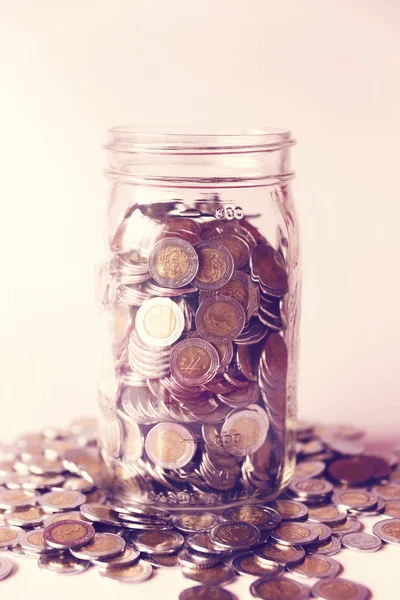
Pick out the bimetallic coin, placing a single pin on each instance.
(237, 246)
(159, 542)
(220, 320)
(262, 517)
(216, 265)
(318, 566)
(61, 501)
(388, 530)
(201, 542)
(159, 322)
(211, 575)
(17, 498)
(25, 517)
(63, 564)
(134, 573)
(361, 542)
(100, 514)
(388, 491)
(244, 432)
(102, 545)
(327, 549)
(349, 526)
(170, 445)
(9, 537)
(311, 489)
(127, 557)
(64, 516)
(358, 499)
(6, 567)
(162, 560)
(308, 469)
(328, 514)
(33, 542)
(68, 534)
(250, 564)
(268, 268)
(173, 262)
(206, 592)
(279, 589)
(338, 588)
(295, 533)
(190, 558)
(195, 522)
(234, 536)
(392, 509)
(291, 510)
(194, 362)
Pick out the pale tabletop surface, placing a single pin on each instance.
(379, 571)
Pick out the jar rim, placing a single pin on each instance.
(128, 138)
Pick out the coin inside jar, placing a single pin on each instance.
(244, 432)
(68, 534)
(159, 322)
(268, 268)
(173, 262)
(220, 320)
(194, 362)
(170, 445)
(216, 265)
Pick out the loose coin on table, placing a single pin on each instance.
(388, 491)
(324, 533)
(279, 589)
(6, 567)
(9, 536)
(358, 499)
(61, 501)
(361, 542)
(262, 517)
(291, 510)
(330, 514)
(388, 530)
(278, 553)
(33, 542)
(134, 573)
(162, 560)
(127, 557)
(25, 517)
(250, 564)
(318, 566)
(206, 592)
(68, 534)
(195, 522)
(392, 509)
(349, 526)
(234, 536)
(99, 513)
(328, 548)
(102, 545)
(159, 542)
(17, 498)
(217, 575)
(63, 564)
(73, 515)
(202, 543)
(190, 558)
(295, 533)
(338, 588)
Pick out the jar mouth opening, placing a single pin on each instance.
(128, 138)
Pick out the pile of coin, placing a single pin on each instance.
(57, 505)
(198, 326)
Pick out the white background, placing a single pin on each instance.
(327, 70)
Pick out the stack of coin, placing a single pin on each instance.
(199, 338)
(70, 520)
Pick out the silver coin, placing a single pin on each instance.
(330, 548)
(34, 542)
(354, 498)
(63, 564)
(388, 530)
(295, 533)
(334, 588)
(250, 564)
(262, 517)
(159, 542)
(17, 498)
(103, 545)
(235, 536)
(135, 573)
(362, 542)
(10, 536)
(291, 510)
(129, 556)
(244, 432)
(318, 566)
(159, 322)
(195, 522)
(6, 567)
(170, 445)
(349, 526)
(61, 501)
(25, 517)
(281, 587)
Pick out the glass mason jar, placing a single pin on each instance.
(201, 298)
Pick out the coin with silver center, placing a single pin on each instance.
(170, 445)
(68, 534)
(318, 566)
(159, 322)
(63, 564)
(235, 536)
(335, 588)
(206, 592)
(102, 545)
(6, 567)
(361, 542)
(262, 517)
(134, 573)
(388, 530)
(10, 536)
(195, 522)
(295, 533)
(61, 501)
(279, 589)
(250, 564)
(159, 542)
(244, 432)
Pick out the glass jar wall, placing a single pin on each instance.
(200, 295)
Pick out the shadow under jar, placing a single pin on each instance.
(200, 293)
